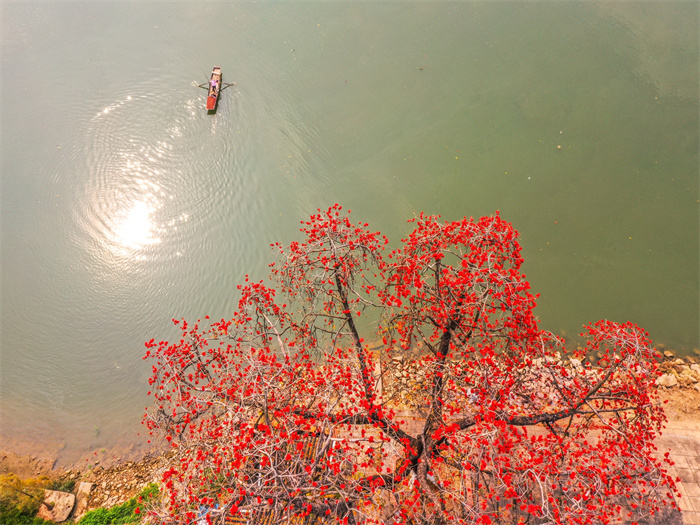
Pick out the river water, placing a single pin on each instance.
(124, 204)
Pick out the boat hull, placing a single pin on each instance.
(214, 89)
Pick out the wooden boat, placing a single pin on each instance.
(214, 88)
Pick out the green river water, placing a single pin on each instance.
(124, 204)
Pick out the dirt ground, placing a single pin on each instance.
(682, 404)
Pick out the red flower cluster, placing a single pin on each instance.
(457, 409)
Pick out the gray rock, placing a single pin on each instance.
(576, 364)
(82, 496)
(667, 380)
(687, 376)
(57, 506)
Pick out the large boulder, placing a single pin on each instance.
(82, 496)
(667, 380)
(57, 506)
(687, 376)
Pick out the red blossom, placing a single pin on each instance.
(462, 410)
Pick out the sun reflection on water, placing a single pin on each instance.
(134, 197)
(135, 228)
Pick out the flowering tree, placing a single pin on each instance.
(466, 412)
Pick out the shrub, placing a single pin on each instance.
(20, 500)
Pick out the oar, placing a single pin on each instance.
(202, 85)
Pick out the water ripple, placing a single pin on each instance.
(152, 167)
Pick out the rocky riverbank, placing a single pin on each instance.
(102, 487)
(114, 482)
(679, 371)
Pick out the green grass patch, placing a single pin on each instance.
(11, 515)
(66, 485)
(131, 511)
